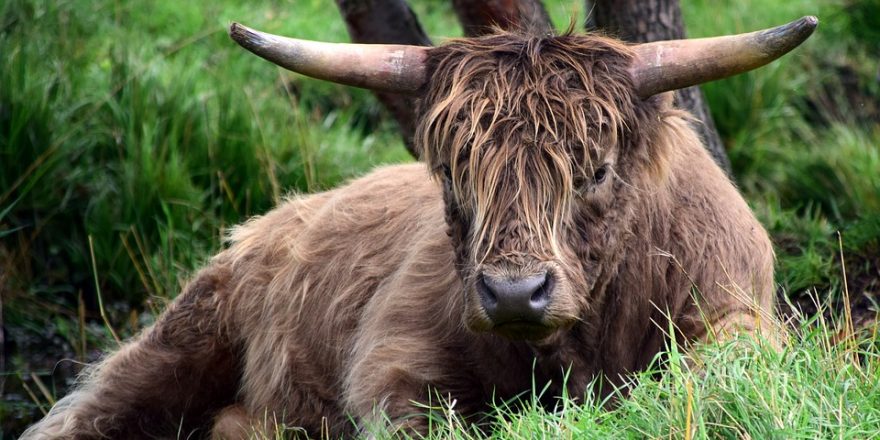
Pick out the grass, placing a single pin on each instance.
(743, 389)
(133, 133)
(819, 385)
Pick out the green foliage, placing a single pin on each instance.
(810, 389)
(140, 125)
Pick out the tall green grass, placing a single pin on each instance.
(140, 125)
(811, 389)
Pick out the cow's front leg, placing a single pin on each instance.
(753, 322)
(722, 323)
(235, 423)
(395, 382)
(385, 382)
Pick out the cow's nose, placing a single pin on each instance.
(510, 300)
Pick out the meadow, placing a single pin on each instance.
(134, 133)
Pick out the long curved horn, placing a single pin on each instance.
(669, 65)
(382, 67)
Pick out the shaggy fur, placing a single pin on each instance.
(337, 307)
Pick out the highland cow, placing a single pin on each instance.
(565, 217)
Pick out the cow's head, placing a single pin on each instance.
(535, 141)
(541, 144)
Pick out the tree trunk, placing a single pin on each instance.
(478, 17)
(641, 21)
(391, 22)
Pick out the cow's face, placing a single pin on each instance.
(533, 142)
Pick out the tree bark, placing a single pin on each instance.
(390, 22)
(641, 21)
(479, 17)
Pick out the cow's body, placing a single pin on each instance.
(373, 304)
(335, 308)
(339, 301)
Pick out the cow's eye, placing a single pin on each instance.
(447, 173)
(600, 174)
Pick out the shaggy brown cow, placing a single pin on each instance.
(567, 216)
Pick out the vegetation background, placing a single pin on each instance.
(133, 133)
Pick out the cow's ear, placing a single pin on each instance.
(658, 135)
(663, 101)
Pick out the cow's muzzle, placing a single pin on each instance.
(517, 305)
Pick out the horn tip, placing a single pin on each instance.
(811, 21)
(784, 38)
(245, 36)
(807, 24)
(804, 25)
(235, 30)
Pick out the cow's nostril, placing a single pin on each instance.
(538, 295)
(515, 299)
(486, 292)
(542, 293)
